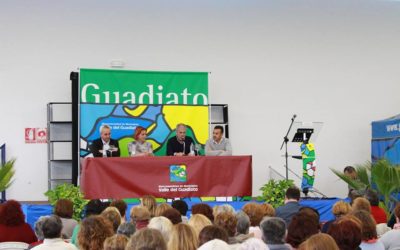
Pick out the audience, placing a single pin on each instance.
(12, 224)
(368, 229)
(361, 203)
(215, 244)
(222, 208)
(113, 216)
(140, 215)
(253, 244)
(377, 212)
(198, 222)
(38, 231)
(173, 215)
(52, 228)
(163, 225)
(127, 229)
(93, 231)
(302, 226)
(391, 239)
(228, 221)
(121, 206)
(274, 233)
(256, 214)
(161, 209)
(149, 202)
(116, 242)
(291, 207)
(64, 209)
(183, 237)
(147, 239)
(243, 223)
(339, 209)
(268, 210)
(346, 231)
(319, 241)
(212, 232)
(204, 209)
(182, 207)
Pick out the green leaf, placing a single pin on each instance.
(6, 174)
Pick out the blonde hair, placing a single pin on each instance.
(361, 203)
(222, 209)
(183, 237)
(341, 208)
(198, 222)
(116, 242)
(150, 202)
(140, 213)
(146, 238)
(112, 214)
(268, 210)
(163, 225)
(319, 241)
(161, 209)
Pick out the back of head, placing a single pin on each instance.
(162, 208)
(163, 225)
(198, 222)
(372, 197)
(147, 238)
(222, 209)
(300, 228)
(116, 242)
(361, 203)
(139, 213)
(51, 227)
(121, 206)
(368, 224)
(181, 206)
(268, 210)
(94, 230)
(64, 208)
(173, 215)
(273, 230)
(11, 213)
(227, 221)
(243, 222)
(150, 203)
(346, 232)
(38, 227)
(292, 193)
(312, 213)
(212, 232)
(95, 207)
(319, 241)
(112, 214)
(255, 213)
(204, 209)
(183, 237)
(341, 208)
(127, 229)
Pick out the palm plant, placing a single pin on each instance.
(6, 174)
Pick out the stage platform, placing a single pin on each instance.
(324, 206)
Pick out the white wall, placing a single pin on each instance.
(330, 61)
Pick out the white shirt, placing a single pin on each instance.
(55, 244)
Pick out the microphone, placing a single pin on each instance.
(294, 117)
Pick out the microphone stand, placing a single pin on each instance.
(285, 142)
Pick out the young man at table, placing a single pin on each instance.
(179, 145)
(105, 142)
(218, 145)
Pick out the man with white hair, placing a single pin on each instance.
(180, 145)
(105, 146)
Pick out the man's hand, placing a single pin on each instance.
(179, 154)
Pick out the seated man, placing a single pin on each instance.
(291, 206)
(218, 145)
(180, 144)
(105, 142)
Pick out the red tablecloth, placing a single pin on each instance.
(189, 176)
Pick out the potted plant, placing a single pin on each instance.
(6, 174)
(273, 192)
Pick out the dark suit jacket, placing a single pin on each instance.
(98, 145)
(173, 146)
(287, 211)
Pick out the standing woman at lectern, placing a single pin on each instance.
(140, 147)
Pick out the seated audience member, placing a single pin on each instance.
(140, 215)
(268, 210)
(182, 207)
(183, 237)
(361, 203)
(12, 224)
(350, 172)
(160, 209)
(301, 227)
(180, 144)
(291, 207)
(150, 203)
(256, 214)
(226, 208)
(381, 229)
(51, 228)
(228, 221)
(377, 212)
(391, 239)
(94, 230)
(163, 225)
(105, 143)
(116, 242)
(319, 241)
(339, 209)
(173, 215)
(346, 231)
(368, 229)
(243, 223)
(253, 244)
(218, 145)
(204, 209)
(274, 233)
(215, 244)
(113, 216)
(198, 222)
(212, 232)
(354, 194)
(64, 209)
(147, 239)
(140, 147)
(127, 229)
(38, 232)
(121, 206)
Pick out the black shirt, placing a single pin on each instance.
(174, 146)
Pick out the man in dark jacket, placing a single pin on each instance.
(110, 146)
(291, 206)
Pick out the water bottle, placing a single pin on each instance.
(191, 149)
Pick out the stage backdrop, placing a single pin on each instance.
(158, 101)
(386, 140)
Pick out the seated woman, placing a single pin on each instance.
(140, 147)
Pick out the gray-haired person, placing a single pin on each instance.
(273, 233)
(127, 229)
(242, 227)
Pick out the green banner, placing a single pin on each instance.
(143, 87)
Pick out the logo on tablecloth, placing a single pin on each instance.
(177, 173)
